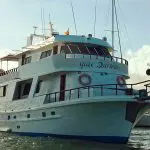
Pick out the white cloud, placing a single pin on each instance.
(138, 61)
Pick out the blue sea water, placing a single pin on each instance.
(139, 140)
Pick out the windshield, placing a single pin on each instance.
(80, 48)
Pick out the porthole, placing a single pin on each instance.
(14, 117)
(53, 113)
(8, 117)
(43, 114)
(28, 115)
(18, 127)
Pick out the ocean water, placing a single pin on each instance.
(139, 140)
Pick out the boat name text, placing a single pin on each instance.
(99, 64)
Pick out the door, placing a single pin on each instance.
(62, 87)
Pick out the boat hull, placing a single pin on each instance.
(98, 121)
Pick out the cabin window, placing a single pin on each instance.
(26, 89)
(65, 49)
(45, 54)
(83, 48)
(3, 91)
(23, 57)
(55, 50)
(27, 60)
(74, 48)
(22, 89)
(86, 48)
(38, 86)
(92, 50)
(28, 115)
(43, 114)
(102, 51)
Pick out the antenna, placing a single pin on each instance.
(118, 30)
(42, 18)
(95, 17)
(113, 3)
(49, 17)
(35, 28)
(73, 17)
(43, 22)
(50, 26)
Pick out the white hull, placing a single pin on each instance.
(94, 121)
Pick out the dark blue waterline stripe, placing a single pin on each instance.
(103, 139)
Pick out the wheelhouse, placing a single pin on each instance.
(84, 48)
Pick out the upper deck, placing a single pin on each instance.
(68, 47)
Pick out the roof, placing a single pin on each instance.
(81, 39)
(9, 57)
(56, 39)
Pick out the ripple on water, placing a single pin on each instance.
(139, 140)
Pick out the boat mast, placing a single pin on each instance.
(113, 26)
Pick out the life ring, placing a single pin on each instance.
(85, 79)
(121, 81)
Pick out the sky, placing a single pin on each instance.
(17, 17)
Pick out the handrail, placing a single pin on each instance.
(112, 58)
(103, 87)
(9, 71)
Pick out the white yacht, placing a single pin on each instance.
(69, 86)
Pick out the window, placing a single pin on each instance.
(3, 91)
(27, 60)
(45, 54)
(38, 86)
(84, 48)
(55, 49)
(22, 89)
(26, 89)
(53, 113)
(28, 115)
(8, 117)
(65, 49)
(92, 50)
(74, 48)
(102, 51)
(43, 114)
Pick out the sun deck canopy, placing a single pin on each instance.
(9, 57)
(81, 39)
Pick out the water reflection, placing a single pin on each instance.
(139, 140)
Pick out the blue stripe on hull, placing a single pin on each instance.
(103, 139)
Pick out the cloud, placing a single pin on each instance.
(138, 63)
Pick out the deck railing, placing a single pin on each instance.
(9, 71)
(100, 90)
(111, 58)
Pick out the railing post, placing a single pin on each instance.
(55, 96)
(49, 98)
(146, 88)
(78, 93)
(132, 87)
(101, 90)
(121, 60)
(69, 94)
(116, 89)
(88, 91)
(111, 58)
